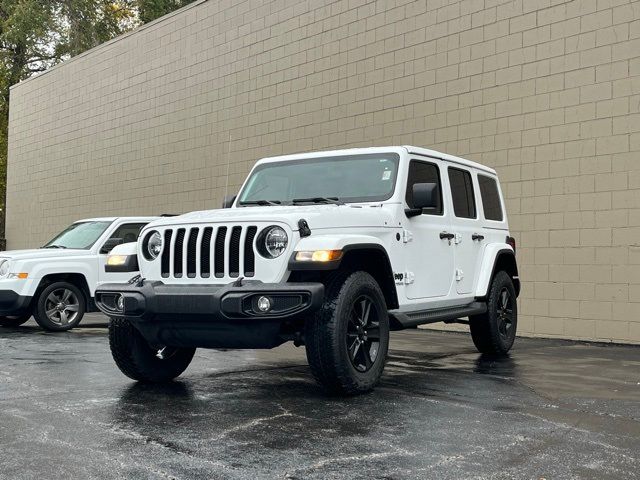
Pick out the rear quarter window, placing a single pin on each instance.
(490, 198)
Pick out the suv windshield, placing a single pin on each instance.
(347, 178)
(80, 235)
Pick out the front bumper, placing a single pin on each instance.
(211, 316)
(13, 304)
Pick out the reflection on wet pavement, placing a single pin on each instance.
(551, 409)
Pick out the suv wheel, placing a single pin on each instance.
(139, 361)
(14, 321)
(347, 340)
(495, 331)
(59, 307)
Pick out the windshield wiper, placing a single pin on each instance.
(332, 200)
(261, 202)
(54, 246)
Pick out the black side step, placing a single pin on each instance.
(447, 315)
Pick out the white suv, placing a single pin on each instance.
(56, 283)
(330, 250)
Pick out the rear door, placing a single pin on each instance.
(429, 257)
(466, 227)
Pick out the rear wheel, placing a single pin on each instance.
(14, 321)
(142, 362)
(495, 331)
(348, 339)
(59, 307)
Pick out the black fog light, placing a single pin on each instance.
(263, 304)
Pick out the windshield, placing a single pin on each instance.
(79, 235)
(347, 178)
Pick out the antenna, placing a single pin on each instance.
(226, 183)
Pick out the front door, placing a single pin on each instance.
(429, 259)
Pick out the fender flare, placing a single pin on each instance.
(350, 244)
(346, 243)
(494, 254)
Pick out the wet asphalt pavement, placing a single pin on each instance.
(553, 409)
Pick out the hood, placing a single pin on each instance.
(38, 253)
(317, 216)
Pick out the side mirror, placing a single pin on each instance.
(110, 244)
(228, 201)
(425, 197)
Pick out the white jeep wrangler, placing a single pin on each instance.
(56, 283)
(330, 250)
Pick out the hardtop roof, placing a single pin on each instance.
(408, 148)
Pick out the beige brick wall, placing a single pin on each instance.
(547, 92)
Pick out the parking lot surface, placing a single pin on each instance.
(553, 409)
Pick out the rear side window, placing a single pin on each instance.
(424, 172)
(490, 198)
(464, 204)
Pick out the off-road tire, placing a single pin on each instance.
(138, 360)
(326, 335)
(14, 321)
(485, 328)
(40, 307)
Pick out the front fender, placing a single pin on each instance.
(490, 257)
(39, 269)
(335, 242)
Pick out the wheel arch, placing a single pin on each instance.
(77, 279)
(368, 257)
(498, 259)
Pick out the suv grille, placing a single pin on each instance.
(203, 252)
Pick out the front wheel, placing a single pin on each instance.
(14, 321)
(494, 332)
(348, 339)
(139, 361)
(59, 307)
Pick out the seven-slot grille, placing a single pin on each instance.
(206, 252)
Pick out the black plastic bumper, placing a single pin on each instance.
(211, 316)
(13, 304)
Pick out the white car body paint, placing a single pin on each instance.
(38, 263)
(334, 227)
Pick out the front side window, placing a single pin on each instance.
(347, 178)
(80, 235)
(423, 172)
(128, 232)
(464, 203)
(490, 198)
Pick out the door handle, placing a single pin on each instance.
(446, 235)
(477, 236)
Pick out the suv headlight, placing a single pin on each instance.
(272, 242)
(5, 265)
(152, 245)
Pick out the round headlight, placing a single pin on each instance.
(275, 242)
(153, 245)
(4, 268)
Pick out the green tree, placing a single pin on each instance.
(149, 10)
(37, 34)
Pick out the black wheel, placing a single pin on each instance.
(59, 307)
(14, 321)
(142, 362)
(347, 340)
(495, 331)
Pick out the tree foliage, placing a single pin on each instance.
(37, 34)
(149, 10)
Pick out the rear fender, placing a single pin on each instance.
(497, 256)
